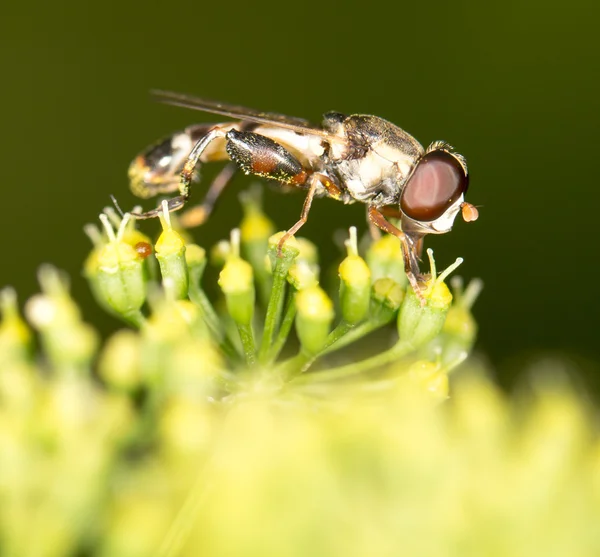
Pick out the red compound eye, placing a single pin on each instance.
(438, 181)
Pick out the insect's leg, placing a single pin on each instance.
(396, 213)
(313, 181)
(333, 190)
(156, 170)
(418, 246)
(262, 156)
(411, 264)
(186, 175)
(391, 212)
(197, 215)
(386, 212)
(374, 230)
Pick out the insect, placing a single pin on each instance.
(357, 158)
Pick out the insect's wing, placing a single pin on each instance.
(241, 113)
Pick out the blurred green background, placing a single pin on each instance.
(513, 85)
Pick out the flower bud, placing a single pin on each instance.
(195, 259)
(120, 364)
(417, 323)
(137, 239)
(304, 272)
(460, 323)
(460, 328)
(384, 258)
(256, 227)
(120, 278)
(308, 251)
(67, 340)
(172, 320)
(422, 317)
(302, 275)
(289, 251)
(255, 230)
(313, 319)
(129, 234)
(170, 252)
(388, 293)
(237, 283)
(15, 337)
(219, 253)
(116, 274)
(355, 284)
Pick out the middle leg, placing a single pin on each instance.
(262, 156)
(314, 180)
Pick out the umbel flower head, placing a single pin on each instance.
(154, 452)
(270, 419)
(253, 331)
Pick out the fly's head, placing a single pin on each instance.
(435, 192)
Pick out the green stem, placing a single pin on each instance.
(334, 337)
(254, 253)
(230, 350)
(295, 365)
(263, 280)
(342, 329)
(198, 297)
(247, 338)
(354, 333)
(341, 336)
(284, 329)
(274, 308)
(399, 350)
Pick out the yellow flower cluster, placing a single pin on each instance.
(190, 435)
(151, 462)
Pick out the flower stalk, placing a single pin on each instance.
(281, 265)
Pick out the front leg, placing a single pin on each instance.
(396, 213)
(411, 263)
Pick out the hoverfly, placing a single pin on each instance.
(357, 158)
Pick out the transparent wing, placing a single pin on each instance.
(298, 125)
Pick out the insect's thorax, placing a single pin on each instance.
(375, 161)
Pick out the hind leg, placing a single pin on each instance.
(197, 215)
(186, 175)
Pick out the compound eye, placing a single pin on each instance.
(438, 181)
